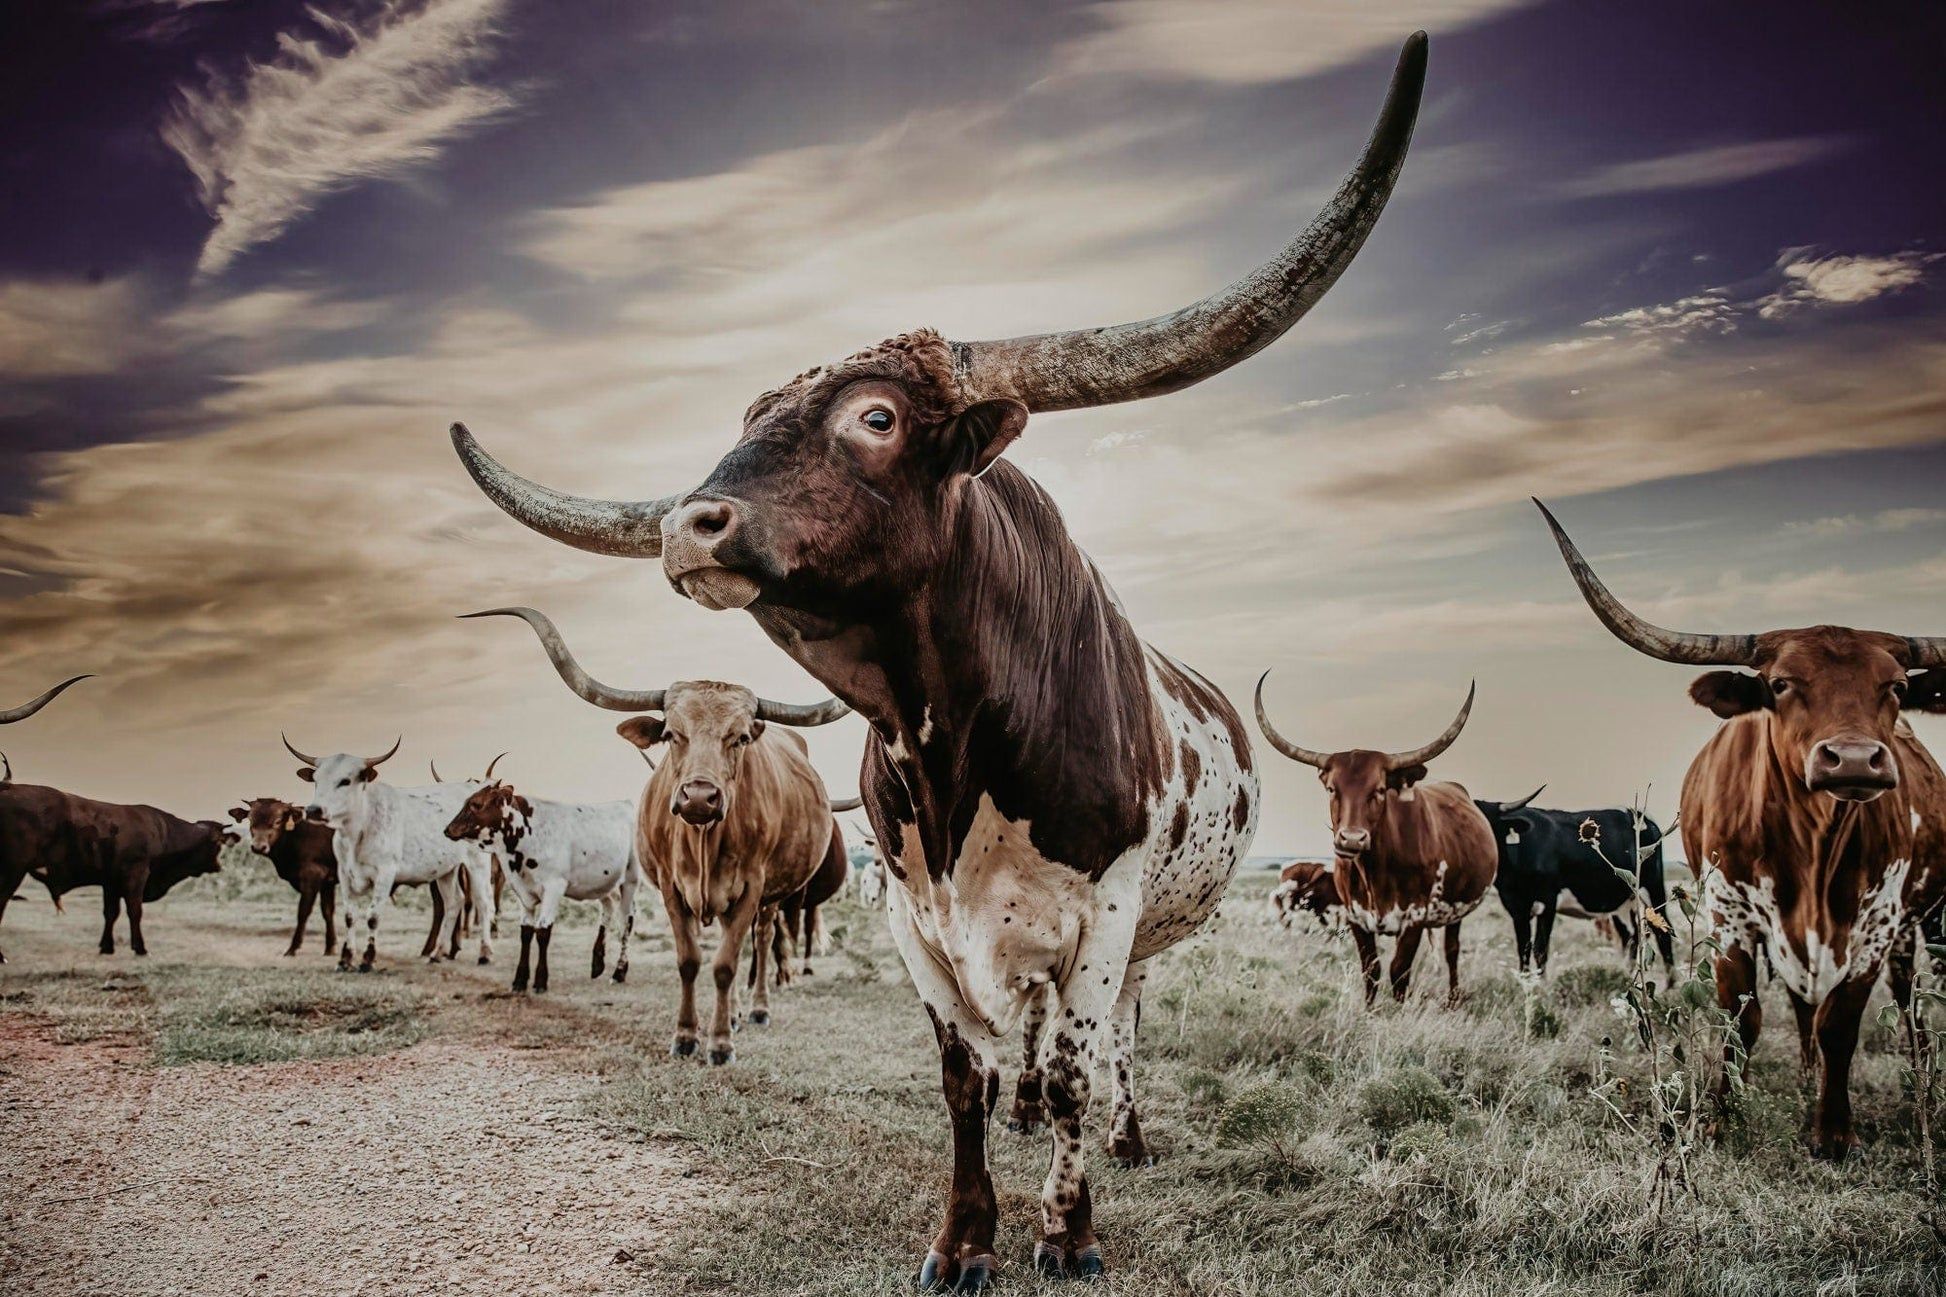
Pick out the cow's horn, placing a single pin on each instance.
(389, 753)
(1277, 740)
(305, 757)
(847, 804)
(434, 767)
(22, 712)
(1926, 651)
(801, 714)
(487, 778)
(6, 769)
(1669, 645)
(1507, 808)
(1085, 367)
(589, 688)
(622, 528)
(1419, 756)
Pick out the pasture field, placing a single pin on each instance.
(1304, 1145)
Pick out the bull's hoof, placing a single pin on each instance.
(682, 1048)
(520, 986)
(106, 948)
(1833, 1148)
(621, 973)
(974, 1274)
(290, 952)
(723, 1056)
(540, 986)
(1130, 1152)
(1087, 1265)
(365, 967)
(1049, 1261)
(596, 967)
(760, 1017)
(1023, 1126)
(486, 959)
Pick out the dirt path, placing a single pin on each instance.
(455, 1167)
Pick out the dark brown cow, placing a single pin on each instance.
(800, 925)
(135, 854)
(1410, 855)
(1815, 817)
(1308, 887)
(1059, 801)
(733, 823)
(300, 851)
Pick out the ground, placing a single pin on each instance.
(215, 1112)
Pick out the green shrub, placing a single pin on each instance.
(1396, 1100)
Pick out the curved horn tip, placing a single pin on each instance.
(847, 804)
(389, 753)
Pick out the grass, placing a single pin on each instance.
(1305, 1145)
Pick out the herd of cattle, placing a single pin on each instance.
(1054, 802)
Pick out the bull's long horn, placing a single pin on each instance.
(22, 712)
(305, 757)
(6, 769)
(1507, 808)
(1419, 756)
(1643, 637)
(1278, 741)
(487, 778)
(847, 804)
(1926, 650)
(628, 529)
(434, 767)
(389, 753)
(589, 688)
(801, 714)
(1084, 367)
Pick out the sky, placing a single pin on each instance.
(1675, 268)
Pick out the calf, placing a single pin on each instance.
(554, 850)
(300, 851)
(134, 854)
(1410, 856)
(1545, 853)
(386, 836)
(1308, 887)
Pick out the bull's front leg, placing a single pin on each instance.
(1027, 1116)
(1404, 951)
(737, 925)
(328, 902)
(687, 935)
(1367, 943)
(549, 910)
(307, 896)
(111, 909)
(480, 873)
(767, 945)
(376, 902)
(446, 937)
(1125, 1142)
(624, 923)
(352, 899)
(138, 882)
(1839, 1016)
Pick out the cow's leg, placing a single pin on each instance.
(523, 968)
(1839, 1016)
(1099, 969)
(598, 958)
(687, 934)
(479, 872)
(328, 902)
(1898, 979)
(351, 899)
(625, 911)
(1452, 937)
(1403, 953)
(961, 1255)
(1367, 945)
(1807, 1034)
(1027, 1115)
(767, 943)
(306, 897)
(376, 903)
(1522, 915)
(1736, 995)
(111, 909)
(132, 889)
(6, 894)
(438, 923)
(1544, 934)
(736, 926)
(499, 872)
(550, 909)
(446, 942)
(1125, 1142)
(814, 942)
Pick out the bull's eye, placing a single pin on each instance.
(1898, 691)
(1779, 687)
(878, 419)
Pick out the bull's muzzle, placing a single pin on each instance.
(1852, 770)
(314, 812)
(1351, 842)
(692, 538)
(698, 802)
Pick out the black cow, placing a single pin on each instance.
(1544, 853)
(135, 854)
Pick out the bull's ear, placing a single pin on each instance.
(1404, 777)
(524, 806)
(369, 773)
(643, 731)
(238, 812)
(305, 773)
(983, 431)
(1730, 693)
(1925, 691)
(756, 730)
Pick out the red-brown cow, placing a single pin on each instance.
(1410, 855)
(1308, 887)
(1815, 817)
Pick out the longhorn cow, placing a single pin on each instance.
(1059, 801)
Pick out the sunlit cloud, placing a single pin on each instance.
(1702, 168)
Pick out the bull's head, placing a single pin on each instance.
(706, 724)
(837, 498)
(1506, 819)
(1359, 780)
(338, 783)
(493, 816)
(263, 821)
(1832, 694)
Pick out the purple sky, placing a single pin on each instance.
(1674, 267)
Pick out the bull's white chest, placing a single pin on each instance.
(1436, 911)
(1811, 962)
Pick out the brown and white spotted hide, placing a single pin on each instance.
(732, 823)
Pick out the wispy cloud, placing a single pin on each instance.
(1854, 524)
(350, 103)
(1801, 279)
(1704, 168)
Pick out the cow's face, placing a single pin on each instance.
(1834, 696)
(1510, 828)
(338, 789)
(194, 863)
(833, 499)
(494, 816)
(708, 726)
(263, 822)
(1357, 783)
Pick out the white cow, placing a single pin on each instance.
(871, 876)
(385, 836)
(553, 850)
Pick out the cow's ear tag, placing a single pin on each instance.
(1513, 837)
(1406, 794)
